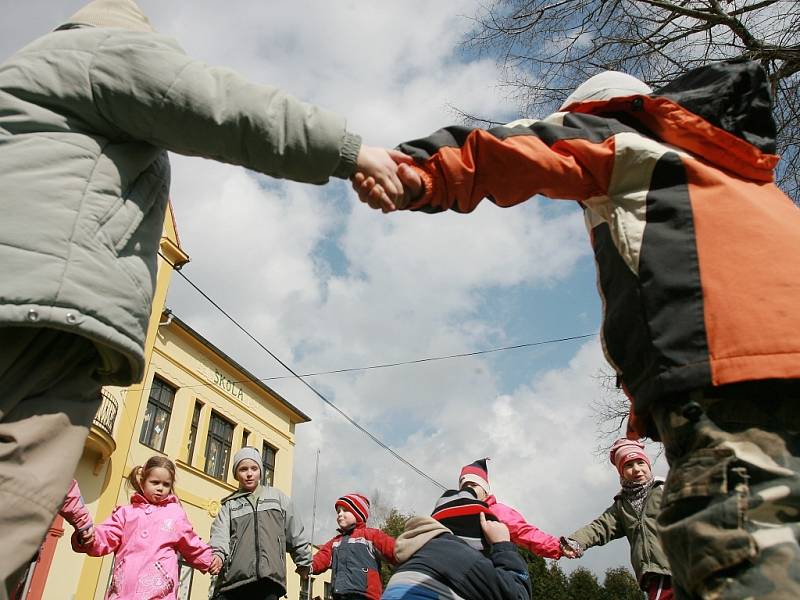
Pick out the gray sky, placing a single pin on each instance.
(326, 283)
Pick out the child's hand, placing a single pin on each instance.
(372, 192)
(570, 548)
(86, 536)
(380, 166)
(495, 531)
(216, 565)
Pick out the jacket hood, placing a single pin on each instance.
(124, 14)
(721, 112)
(418, 532)
(604, 86)
(732, 95)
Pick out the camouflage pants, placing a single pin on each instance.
(730, 518)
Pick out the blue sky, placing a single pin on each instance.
(326, 283)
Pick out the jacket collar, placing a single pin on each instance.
(138, 498)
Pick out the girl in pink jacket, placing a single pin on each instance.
(146, 537)
(476, 477)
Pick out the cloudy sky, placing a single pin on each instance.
(326, 283)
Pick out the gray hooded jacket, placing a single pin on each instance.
(87, 114)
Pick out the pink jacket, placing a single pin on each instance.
(146, 539)
(523, 533)
(74, 510)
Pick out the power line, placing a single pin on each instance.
(406, 362)
(299, 377)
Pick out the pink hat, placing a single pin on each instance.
(624, 450)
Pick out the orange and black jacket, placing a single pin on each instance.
(354, 556)
(697, 250)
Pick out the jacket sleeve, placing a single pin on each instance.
(526, 535)
(504, 576)
(603, 529)
(221, 532)
(383, 543)
(108, 535)
(191, 546)
(148, 88)
(74, 510)
(461, 166)
(297, 544)
(322, 559)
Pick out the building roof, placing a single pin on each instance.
(300, 416)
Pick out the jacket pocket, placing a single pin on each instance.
(703, 514)
(156, 584)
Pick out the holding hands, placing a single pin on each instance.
(385, 180)
(216, 565)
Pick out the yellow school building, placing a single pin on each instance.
(195, 405)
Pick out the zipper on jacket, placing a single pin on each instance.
(255, 529)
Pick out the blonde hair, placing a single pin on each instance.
(140, 472)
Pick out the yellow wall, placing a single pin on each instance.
(196, 369)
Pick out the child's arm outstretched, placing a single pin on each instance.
(194, 550)
(457, 167)
(383, 543)
(220, 538)
(603, 529)
(321, 561)
(108, 535)
(74, 512)
(526, 535)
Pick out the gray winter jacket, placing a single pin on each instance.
(86, 117)
(253, 541)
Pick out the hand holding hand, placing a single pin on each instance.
(86, 536)
(495, 531)
(216, 565)
(379, 166)
(570, 548)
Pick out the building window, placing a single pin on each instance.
(198, 407)
(185, 574)
(304, 585)
(218, 447)
(156, 416)
(328, 595)
(268, 468)
(245, 437)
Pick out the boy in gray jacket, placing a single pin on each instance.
(87, 115)
(250, 536)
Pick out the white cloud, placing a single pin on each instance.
(325, 283)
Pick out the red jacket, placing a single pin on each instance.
(696, 248)
(355, 558)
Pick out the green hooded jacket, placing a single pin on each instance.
(620, 520)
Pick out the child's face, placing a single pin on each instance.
(157, 485)
(344, 518)
(636, 470)
(479, 491)
(248, 474)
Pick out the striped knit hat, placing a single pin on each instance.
(356, 504)
(459, 511)
(476, 472)
(624, 450)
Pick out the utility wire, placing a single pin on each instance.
(300, 377)
(407, 362)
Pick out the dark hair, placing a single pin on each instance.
(140, 473)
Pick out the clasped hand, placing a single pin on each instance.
(385, 180)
